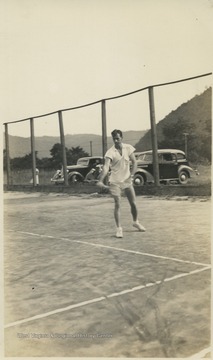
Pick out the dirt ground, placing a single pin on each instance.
(73, 289)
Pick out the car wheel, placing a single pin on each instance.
(90, 176)
(74, 179)
(183, 177)
(139, 180)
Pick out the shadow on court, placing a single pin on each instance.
(73, 289)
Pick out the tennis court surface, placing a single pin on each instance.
(73, 289)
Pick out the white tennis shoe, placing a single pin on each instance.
(138, 226)
(119, 232)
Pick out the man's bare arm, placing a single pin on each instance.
(134, 164)
(104, 172)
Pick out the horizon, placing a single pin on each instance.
(26, 137)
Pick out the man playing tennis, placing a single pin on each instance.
(117, 159)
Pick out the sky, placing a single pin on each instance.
(61, 54)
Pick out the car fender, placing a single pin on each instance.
(147, 174)
(185, 168)
(75, 173)
(57, 177)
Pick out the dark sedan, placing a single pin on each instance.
(173, 167)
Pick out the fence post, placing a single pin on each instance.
(154, 136)
(7, 155)
(32, 138)
(186, 148)
(104, 131)
(64, 157)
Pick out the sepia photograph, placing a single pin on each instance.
(106, 113)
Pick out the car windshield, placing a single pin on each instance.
(82, 162)
(145, 157)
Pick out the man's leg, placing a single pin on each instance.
(130, 194)
(116, 194)
(117, 211)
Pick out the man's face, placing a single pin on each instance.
(117, 140)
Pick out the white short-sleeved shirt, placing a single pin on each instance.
(120, 164)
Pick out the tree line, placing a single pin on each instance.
(50, 163)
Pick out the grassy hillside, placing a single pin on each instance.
(193, 118)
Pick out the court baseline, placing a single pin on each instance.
(95, 300)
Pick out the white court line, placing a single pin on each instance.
(201, 354)
(114, 248)
(92, 301)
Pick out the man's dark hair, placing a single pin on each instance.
(115, 132)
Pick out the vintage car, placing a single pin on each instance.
(86, 169)
(173, 167)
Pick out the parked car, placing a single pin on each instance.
(86, 169)
(173, 167)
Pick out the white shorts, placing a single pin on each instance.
(117, 188)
